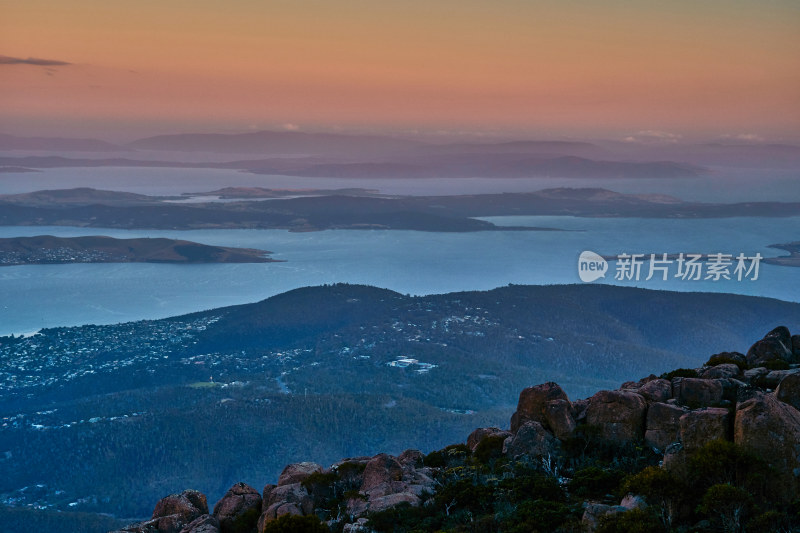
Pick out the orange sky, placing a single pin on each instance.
(542, 68)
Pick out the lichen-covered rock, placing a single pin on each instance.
(788, 390)
(298, 472)
(663, 425)
(619, 416)
(532, 403)
(704, 425)
(239, 509)
(770, 429)
(532, 440)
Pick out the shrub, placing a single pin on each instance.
(777, 364)
(489, 448)
(726, 504)
(296, 524)
(537, 515)
(594, 482)
(680, 373)
(633, 521)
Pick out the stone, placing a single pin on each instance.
(558, 418)
(265, 495)
(656, 390)
(593, 511)
(531, 439)
(381, 469)
(774, 378)
(704, 425)
(295, 494)
(776, 345)
(725, 357)
(480, 434)
(663, 425)
(411, 458)
(188, 505)
(298, 472)
(752, 374)
(696, 392)
(239, 509)
(726, 370)
(788, 390)
(770, 429)
(532, 403)
(202, 524)
(619, 416)
(633, 501)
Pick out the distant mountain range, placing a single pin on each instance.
(374, 156)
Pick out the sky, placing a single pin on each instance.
(617, 69)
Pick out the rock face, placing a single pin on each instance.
(776, 345)
(532, 440)
(619, 416)
(239, 509)
(202, 524)
(558, 418)
(770, 429)
(663, 425)
(533, 402)
(703, 425)
(188, 505)
(788, 390)
(477, 436)
(298, 472)
(697, 392)
(656, 390)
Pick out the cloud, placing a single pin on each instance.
(747, 137)
(291, 127)
(6, 60)
(653, 137)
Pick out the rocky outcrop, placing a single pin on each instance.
(770, 429)
(531, 440)
(663, 425)
(480, 434)
(172, 513)
(203, 524)
(298, 472)
(776, 345)
(532, 404)
(239, 509)
(619, 416)
(703, 425)
(788, 390)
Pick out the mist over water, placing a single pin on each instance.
(722, 185)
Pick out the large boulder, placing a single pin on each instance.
(788, 390)
(774, 378)
(294, 495)
(202, 524)
(726, 370)
(239, 509)
(532, 403)
(770, 429)
(696, 392)
(619, 416)
(298, 472)
(776, 345)
(558, 418)
(704, 425)
(188, 505)
(531, 439)
(663, 425)
(796, 347)
(477, 436)
(381, 469)
(656, 390)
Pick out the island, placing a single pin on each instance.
(793, 259)
(47, 249)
